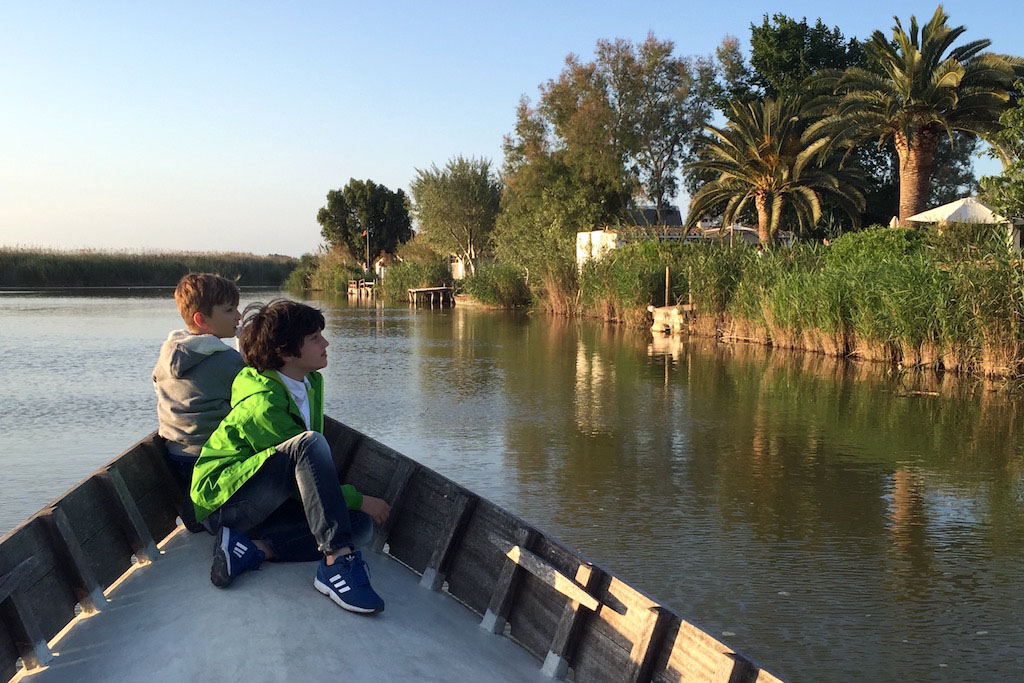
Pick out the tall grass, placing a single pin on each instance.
(498, 285)
(951, 299)
(93, 268)
(411, 275)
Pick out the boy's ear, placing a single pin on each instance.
(199, 320)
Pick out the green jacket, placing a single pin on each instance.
(263, 415)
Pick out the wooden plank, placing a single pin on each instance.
(534, 615)
(133, 523)
(552, 577)
(420, 522)
(371, 467)
(693, 655)
(476, 565)
(563, 644)
(646, 645)
(94, 520)
(395, 497)
(620, 642)
(344, 442)
(46, 589)
(19, 621)
(13, 580)
(461, 508)
(160, 493)
(496, 616)
(9, 654)
(538, 607)
(69, 550)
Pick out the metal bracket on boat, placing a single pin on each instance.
(32, 646)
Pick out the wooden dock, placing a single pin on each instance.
(443, 296)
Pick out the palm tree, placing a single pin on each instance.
(915, 94)
(760, 156)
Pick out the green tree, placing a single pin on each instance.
(761, 158)
(456, 206)
(603, 133)
(784, 52)
(917, 91)
(365, 218)
(1005, 192)
(660, 102)
(627, 119)
(734, 77)
(550, 195)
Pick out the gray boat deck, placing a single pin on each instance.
(471, 563)
(166, 622)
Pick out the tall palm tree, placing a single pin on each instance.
(761, 157)
(917, 92)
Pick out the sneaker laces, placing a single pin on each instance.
(360, 575)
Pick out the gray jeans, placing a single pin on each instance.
(265, 507)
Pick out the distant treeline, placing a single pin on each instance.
(90, 268)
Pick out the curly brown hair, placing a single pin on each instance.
(277, 329)
(200, 292)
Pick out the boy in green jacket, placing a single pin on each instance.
(270, 447)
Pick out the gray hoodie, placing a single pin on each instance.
(193, 379)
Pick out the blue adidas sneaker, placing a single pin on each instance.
(233, 553)
(347, 583)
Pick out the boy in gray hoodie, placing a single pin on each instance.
(193, 375)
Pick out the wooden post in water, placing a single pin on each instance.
(666, 287)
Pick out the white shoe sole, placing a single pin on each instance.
(326, 590)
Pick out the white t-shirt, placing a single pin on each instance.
(298, 390)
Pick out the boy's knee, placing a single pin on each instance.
(308, 444)
(313, 443)
(310, 437)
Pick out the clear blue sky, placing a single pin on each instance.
(217, 125)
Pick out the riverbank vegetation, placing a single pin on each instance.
(27, 267)
(953, 300)
(499, 286)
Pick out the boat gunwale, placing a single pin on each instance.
(457, 541)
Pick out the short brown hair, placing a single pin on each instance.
(272, 331)
(200, 292)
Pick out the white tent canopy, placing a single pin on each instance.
(965, 210)
(970, 210)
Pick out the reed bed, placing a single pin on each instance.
(26, 267)
(412, 275)
(500, 285)
(952, 299)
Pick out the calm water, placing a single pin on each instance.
(833, 521)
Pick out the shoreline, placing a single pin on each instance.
(843, 346)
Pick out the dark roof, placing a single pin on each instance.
(648, 215)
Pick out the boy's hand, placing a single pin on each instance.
(377, 508)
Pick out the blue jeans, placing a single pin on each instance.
(265, 507)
